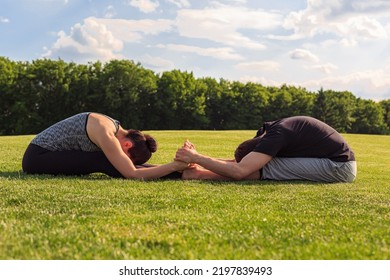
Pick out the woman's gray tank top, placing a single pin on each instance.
(69, 135)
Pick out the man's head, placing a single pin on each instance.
(245, 148)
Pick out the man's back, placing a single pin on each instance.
(303, 136)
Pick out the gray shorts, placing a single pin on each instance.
(312, 169)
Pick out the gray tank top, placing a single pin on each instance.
(69, 135)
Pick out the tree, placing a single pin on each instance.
(280, 103)
(288, 101)
(302, 101)
(213, 97)
(42, 86)
(34, 95)
(223, 106)
(335, 109)
(251, 101)
(180, 101)
(368, 118)
(8, 75)
(124, 85)
(385, 104)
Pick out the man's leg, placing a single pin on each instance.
(199, 173)
(312, 169)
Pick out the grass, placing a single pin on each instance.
(96, 217)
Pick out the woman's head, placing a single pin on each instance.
(143, 146)
(245, 148)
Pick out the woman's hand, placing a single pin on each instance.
(179, 165)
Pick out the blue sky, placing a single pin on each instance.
(334, 44)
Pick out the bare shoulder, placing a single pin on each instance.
(98, 118)
(99, 127)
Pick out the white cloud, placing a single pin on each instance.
(362, 27)
(4, 20)
(259, 66)
(301, 54)
(133, 30)
(217, 53)
(103, 39)
(260, 80)
(145, 6)
(365, 83)
(338, 41)
(373, 6)
(326, 68)
(88, 41)
(157, 63)
(63, 1)
(337, 8)
(353, 21)
(240, 2)
(180, 3)
(110, 12)
(222, 24)
(348, 43)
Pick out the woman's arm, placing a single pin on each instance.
(101, 131)
(114, 153)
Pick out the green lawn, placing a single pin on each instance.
(95, 217)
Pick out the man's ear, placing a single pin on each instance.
(128, 144)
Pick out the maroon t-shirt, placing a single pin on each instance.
(303, 137)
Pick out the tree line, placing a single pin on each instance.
(34, 95)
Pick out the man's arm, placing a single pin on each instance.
(250, 164)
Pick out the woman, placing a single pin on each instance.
(91, 142)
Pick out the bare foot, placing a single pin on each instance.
(191, 173)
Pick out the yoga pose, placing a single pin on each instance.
(295, 148)
(90, 142)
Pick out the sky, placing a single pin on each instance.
(330, 44)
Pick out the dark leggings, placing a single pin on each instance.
(37, 160)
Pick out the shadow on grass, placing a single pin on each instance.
(20, 175)
(254, 182)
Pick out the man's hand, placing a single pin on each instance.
(189, 145)
(187, 153)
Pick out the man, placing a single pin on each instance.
(295, 148)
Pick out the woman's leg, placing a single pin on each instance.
(38, 160)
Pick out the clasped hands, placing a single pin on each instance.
(187, 153)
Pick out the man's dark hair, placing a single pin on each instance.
(245, 148)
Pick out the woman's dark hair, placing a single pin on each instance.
(245, 148)
(143, 146)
